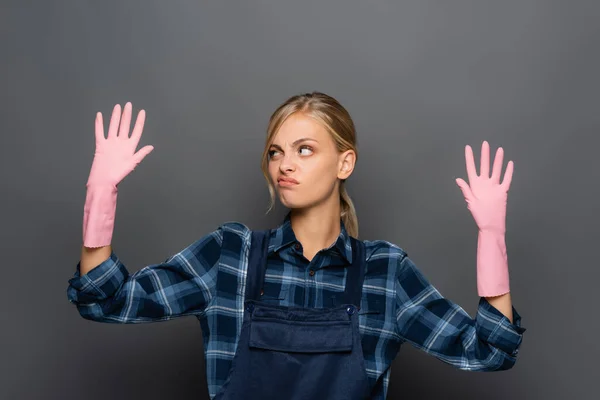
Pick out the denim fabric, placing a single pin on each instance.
(298, 353)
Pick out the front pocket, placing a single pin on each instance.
(273, 293)
(301, 336)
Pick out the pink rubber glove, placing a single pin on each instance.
(486, 199)
(114, 159)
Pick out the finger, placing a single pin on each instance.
(99, 131)
(471, 172)
(142, 153)
(497, 169)
(114, 121)
(508, 176)
(125, 122)
(484, 167)
(464, 187)
(136, 134)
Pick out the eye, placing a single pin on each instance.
(272, 153)
(306, 148)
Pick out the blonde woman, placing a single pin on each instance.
(305, 310)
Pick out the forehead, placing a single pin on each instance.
(299, 126)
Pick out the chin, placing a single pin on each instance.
(292, 204)
(294, 201)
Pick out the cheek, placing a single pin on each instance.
(321, 175)
(323, 168)
(272, 169)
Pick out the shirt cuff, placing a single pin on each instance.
(495, 328)
(98, 284)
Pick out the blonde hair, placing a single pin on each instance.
(337, 121)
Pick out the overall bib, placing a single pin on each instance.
(295, 353)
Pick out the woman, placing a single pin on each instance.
(305, 310)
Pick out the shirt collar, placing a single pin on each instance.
(284, 236)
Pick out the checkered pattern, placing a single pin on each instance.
(207, 279)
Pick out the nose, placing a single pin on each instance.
(287, 164)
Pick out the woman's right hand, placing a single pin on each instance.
(114, 159)
(115, 156)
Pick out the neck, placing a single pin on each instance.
(316, 227)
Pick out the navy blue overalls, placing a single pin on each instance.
(295, 353)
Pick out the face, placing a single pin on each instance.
(304, 163)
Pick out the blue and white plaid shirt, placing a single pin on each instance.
(207, 279)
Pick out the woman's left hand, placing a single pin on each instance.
(486, 197)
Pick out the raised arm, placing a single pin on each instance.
(114, 159)
(102, 288)
(438, 326)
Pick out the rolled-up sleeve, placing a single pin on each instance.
(436, 325)
(495, 328)
(182, 285)
(99, 284)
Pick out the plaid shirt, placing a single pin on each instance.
(207, 279)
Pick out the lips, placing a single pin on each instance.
(287, 181)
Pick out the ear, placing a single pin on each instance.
(346, 163)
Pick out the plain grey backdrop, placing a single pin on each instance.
(421, 79)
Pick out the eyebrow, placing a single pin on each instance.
(296, 142)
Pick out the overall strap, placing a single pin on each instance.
(355, 274)
(257, 262)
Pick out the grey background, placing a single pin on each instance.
(420, 78)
